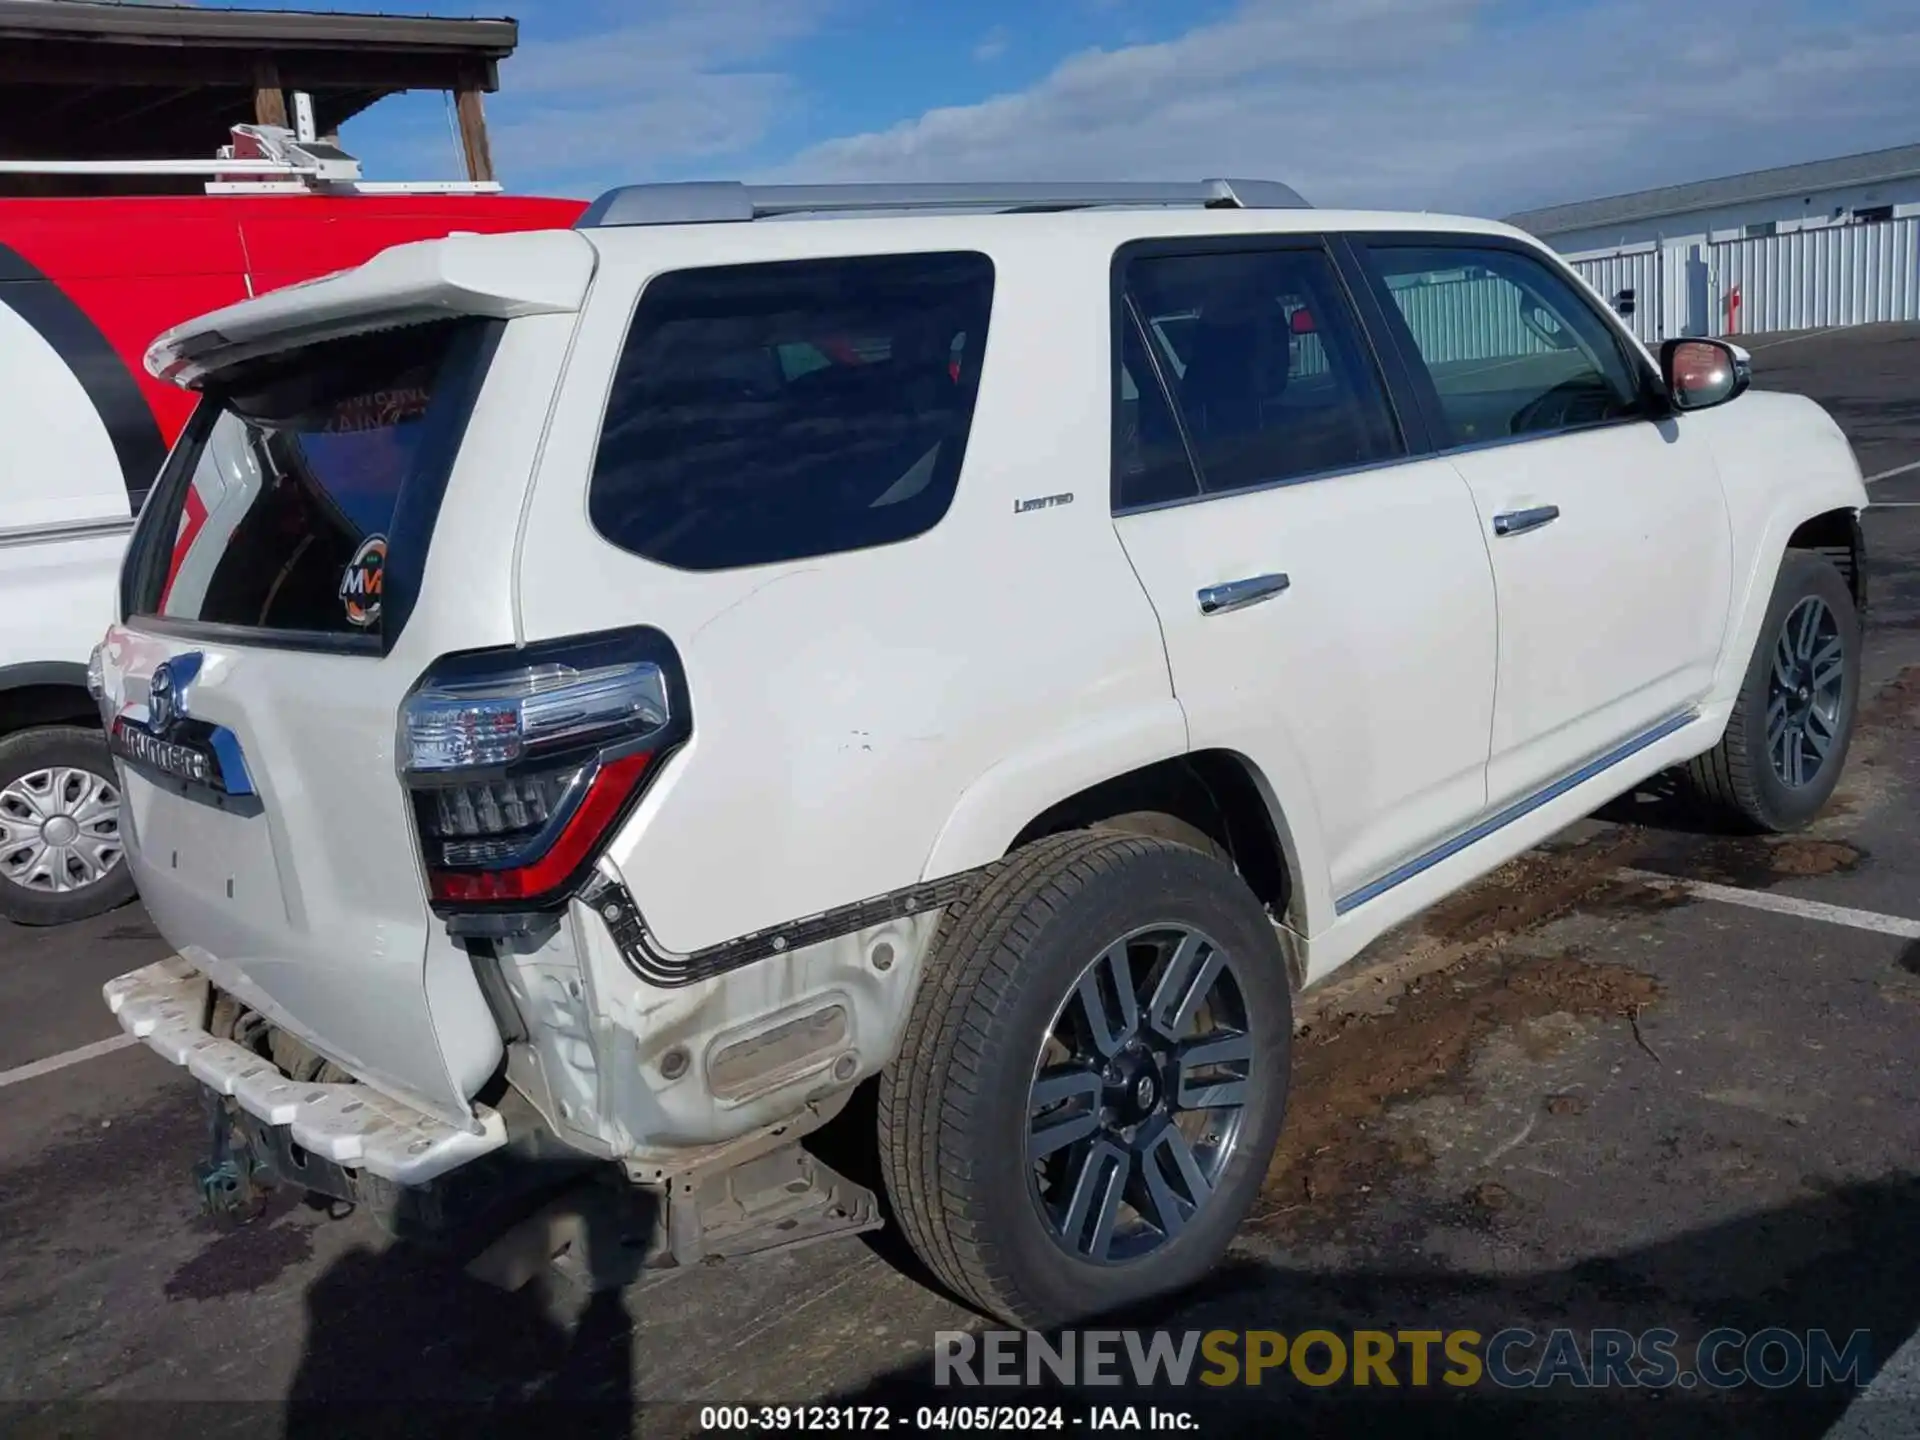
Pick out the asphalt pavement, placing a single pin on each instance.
(1572, 1097)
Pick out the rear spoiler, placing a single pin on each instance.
(541, 272)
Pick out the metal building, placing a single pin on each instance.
(1834, 242)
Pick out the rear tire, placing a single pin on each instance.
(1769, 772)
(57, 783)
(981, 1191)
(1162, 826)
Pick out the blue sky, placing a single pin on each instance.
(1477, 105)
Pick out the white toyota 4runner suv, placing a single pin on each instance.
(998, 643)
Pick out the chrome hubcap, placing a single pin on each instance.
(1137, 1095)
(1805, 691)
(59, 829)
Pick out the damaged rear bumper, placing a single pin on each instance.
(353, 1126)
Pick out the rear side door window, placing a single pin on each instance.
(762, 413)
(1512, 348)
(1265, 376)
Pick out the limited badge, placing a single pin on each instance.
(360, 585)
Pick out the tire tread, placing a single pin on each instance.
(1726, 779)
(976, 952)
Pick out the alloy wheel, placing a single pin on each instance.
(1805, 692)
(1137, 1095)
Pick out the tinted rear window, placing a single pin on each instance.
(770, 412)
(294, 481)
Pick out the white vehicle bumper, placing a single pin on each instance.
(352, 1125)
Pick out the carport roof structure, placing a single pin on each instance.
(84, 80)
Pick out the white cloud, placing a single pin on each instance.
(696, 78)
(992, 45)
(1484, 105)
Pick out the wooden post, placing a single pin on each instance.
(269, 103)
(473, 131)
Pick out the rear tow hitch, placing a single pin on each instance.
(231, 1182)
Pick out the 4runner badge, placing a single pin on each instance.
(360, 584)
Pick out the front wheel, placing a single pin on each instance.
(1092, 1078)
(61, 852)
(1787, 739)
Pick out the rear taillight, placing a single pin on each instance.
(521, 762)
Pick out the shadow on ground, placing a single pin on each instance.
(1841, 1261)
(405, 1341)
(399, 1343)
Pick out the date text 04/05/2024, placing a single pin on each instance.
(939, 1419)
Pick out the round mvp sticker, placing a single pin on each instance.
(360, 584)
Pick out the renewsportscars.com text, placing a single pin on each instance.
(1514, 1358)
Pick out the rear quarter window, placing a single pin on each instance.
(762, 413)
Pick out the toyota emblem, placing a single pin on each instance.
(162, 704)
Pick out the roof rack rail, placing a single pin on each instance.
(713, 201)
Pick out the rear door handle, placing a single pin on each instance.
(1518, 522)
(1238, 594)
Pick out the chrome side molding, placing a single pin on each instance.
(59, 530)
(1373, 890)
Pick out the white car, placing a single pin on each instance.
(999, 645)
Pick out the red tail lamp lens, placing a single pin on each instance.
(607, 792)
(520, 761)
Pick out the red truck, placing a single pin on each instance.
(85, 285)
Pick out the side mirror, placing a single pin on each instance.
(1703, 373)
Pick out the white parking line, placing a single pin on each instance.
(1784, 904)
(21, 1073)
(1896, 470)
(1821, 334)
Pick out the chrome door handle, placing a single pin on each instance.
(1238, 594)
(1518, 522)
